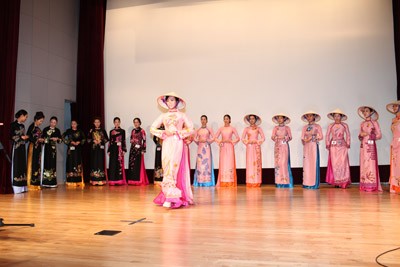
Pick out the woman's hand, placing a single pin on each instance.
(169, 133)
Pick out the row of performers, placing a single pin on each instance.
(37, 167)
(41, 165)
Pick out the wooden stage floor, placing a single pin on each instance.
(227, 227)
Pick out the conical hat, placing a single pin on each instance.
(389, 107)
(286, 119)
(317, 116)
(161, 100)
(337, 111)
(247, 119)
(374, 114)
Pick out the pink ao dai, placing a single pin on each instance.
(395, 157)
(338, 143)
(176, 182)
(281, 135)
(369, 172)
(204, 172)
(227, 164)
(253, 137)
(311, 135)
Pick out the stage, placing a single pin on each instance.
(226, 227)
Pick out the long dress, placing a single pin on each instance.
(227, 163)
(137, 171)
(311, 162)
(34, 171)
(204, 172)
(369, 172)
(253, 155)
(158, 171)
(338, 140)
(49, 156)
(74, 168)
(98, 174)
(281, 135)
(18, 168)
(117, 148)
(395, 157)
(175, 186)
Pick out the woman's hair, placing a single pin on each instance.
(228, 116)
(74, 120)
(116, 118)
(96, 118)
(204, 116)
(39, 115)
(137, 120)
(54, 118)
(21, 112)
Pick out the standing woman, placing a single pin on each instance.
(253, 137)
(97, 139)
(137, 170)
(281, 135)
(116, 152)
(52, 137)
(34, 171)
(338, 143)
(158, 171)
(227, 163)
(204, 171)
(395, 148)
(369, 133)
(18, 137)
(311, 135)
(176, 189)
(74, 138)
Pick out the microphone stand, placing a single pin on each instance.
(15, 224)
(5, 153)
(2, 147)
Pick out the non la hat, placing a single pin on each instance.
(337, 111)
(389, 106)
(161, 100)
(374, 114)
(247, 119)
(286, 118)
(317, 116)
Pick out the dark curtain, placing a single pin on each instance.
(396, 28)
(90, 68)
(9, 30)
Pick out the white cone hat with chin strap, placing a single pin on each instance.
(374, 114)
(337, 111)
(162, 100)
(316, 115)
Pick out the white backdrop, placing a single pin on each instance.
(251, 56)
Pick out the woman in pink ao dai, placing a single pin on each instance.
(227, 164)
(311, 135)
(176, 189)
(204, 172)
(395, 148)
(338, 143)
(281, 135)
(369, 133)
(253, 137)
